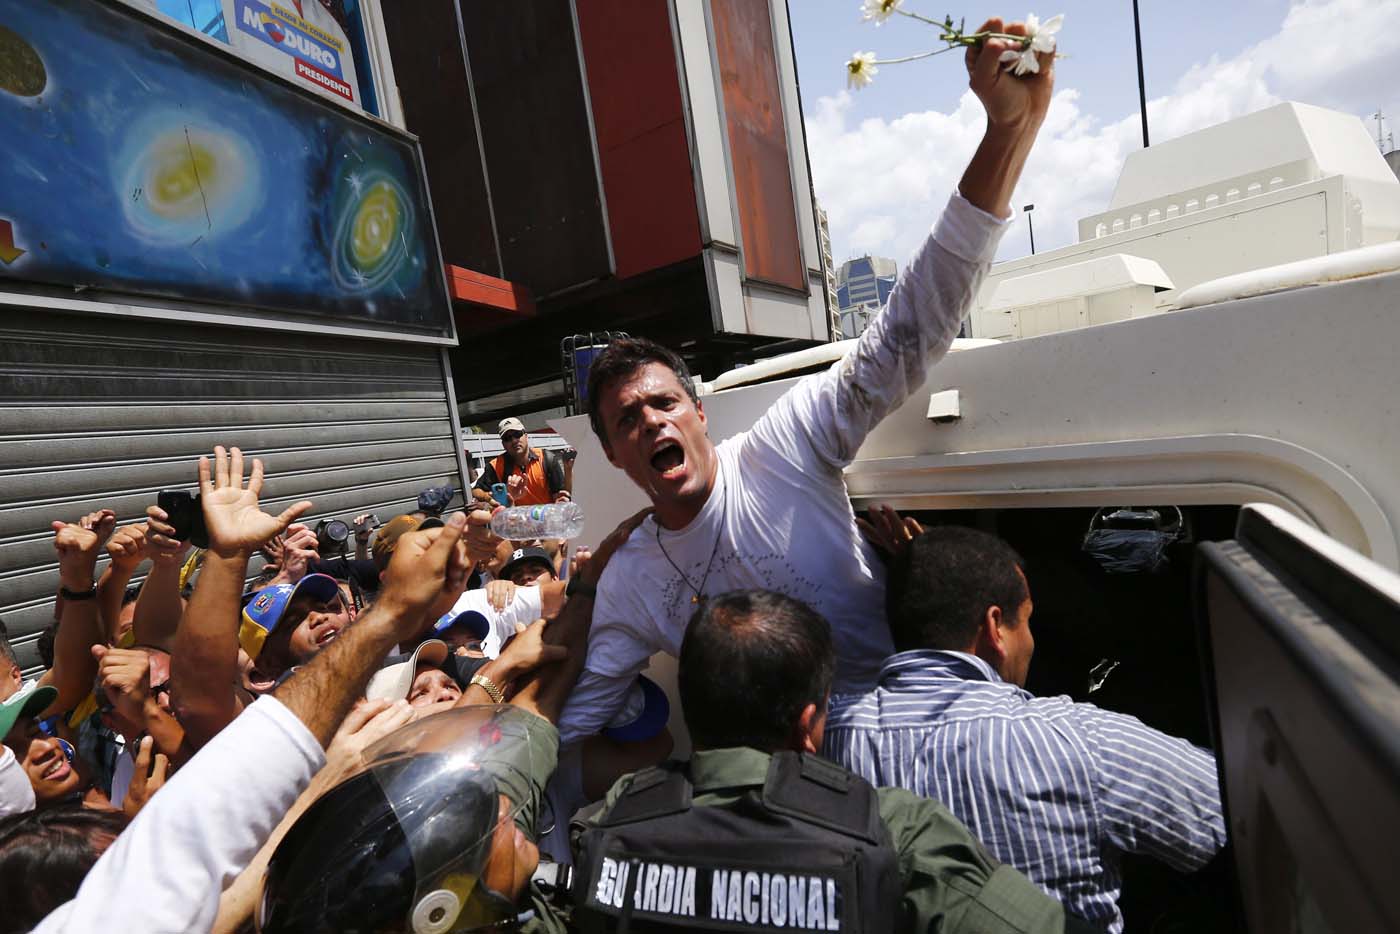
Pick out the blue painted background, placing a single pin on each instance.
(148, 164)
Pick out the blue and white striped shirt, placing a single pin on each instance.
(1054, 788)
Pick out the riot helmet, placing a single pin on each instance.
(406, 844)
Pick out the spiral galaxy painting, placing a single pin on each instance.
(138, 160)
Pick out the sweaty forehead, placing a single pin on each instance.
(650, 379)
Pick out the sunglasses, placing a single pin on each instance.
(510, 436)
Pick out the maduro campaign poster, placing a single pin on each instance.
(299, 38)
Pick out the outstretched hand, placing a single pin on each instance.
(236, 525)
(527, 650)
(1009, 100)
(78, 545)
(890, 534)
(426, 575)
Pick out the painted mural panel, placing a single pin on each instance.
(136, 159)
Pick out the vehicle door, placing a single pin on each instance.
(1301, 640)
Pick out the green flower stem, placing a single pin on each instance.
(912, 58)
(956, 38)
(922, 19)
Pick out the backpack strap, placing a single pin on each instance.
(820, 792)
(652, 792)
(553, 471)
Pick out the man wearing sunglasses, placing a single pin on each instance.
(133, 699)
(533, 477)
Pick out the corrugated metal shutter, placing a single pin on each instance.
(103, 412)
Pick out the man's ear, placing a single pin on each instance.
(700, 408)
(991, 641)
(608, 453)
(807, 736)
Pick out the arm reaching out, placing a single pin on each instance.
(204, 664)
(79, 628)
(823, 420)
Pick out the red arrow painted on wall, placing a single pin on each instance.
(8, 251)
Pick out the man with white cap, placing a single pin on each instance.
(532, 477)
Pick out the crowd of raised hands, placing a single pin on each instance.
(142, 678)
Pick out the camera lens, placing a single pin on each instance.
(337, 531)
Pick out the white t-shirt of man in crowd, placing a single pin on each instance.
(524, 608)
(768, 508)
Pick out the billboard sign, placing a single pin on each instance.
(299, 39)
(145, 161)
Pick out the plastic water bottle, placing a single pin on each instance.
(554, 520)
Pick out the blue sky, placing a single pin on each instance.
(885, 158)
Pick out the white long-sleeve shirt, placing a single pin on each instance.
(166, 871)
(779, 516)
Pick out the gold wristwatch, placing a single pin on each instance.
(490, 687)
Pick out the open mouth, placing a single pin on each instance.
(668, 459)
(325, 637)
(59, 770)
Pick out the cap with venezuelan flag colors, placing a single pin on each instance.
(264, 611)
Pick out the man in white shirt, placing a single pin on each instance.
(768, 508)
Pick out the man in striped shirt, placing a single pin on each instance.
(1055, 788)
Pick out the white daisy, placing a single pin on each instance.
(860, 70)
(879, 10)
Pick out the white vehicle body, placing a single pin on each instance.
(1285, 398)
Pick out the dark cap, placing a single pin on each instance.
(522, 555)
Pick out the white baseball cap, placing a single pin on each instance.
(395, 680)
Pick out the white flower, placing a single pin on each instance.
(878, 10)
(860, 70)
(1042, 35)
(1042, 39)
(1020, 61)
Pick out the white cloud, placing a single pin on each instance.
(883, 182)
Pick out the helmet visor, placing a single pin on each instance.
(407, 844)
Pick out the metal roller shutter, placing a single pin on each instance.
(103, 412)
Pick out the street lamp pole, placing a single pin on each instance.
(1031, 224)
(1142, 82)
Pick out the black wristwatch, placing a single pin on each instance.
(67, 594)
(577, 586)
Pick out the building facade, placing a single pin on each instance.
(829, 271)
(863, 285)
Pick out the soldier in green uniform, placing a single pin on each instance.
(754, 832)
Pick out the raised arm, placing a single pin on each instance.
(127, 549)
(823, 420)
(245, 780)
(78, 545)
(204, 663)
(160, 606)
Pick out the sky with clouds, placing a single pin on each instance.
(884, 159)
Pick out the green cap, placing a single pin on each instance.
(28, 701)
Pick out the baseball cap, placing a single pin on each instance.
(395, 679)
(265, 608)
(511, 424)
(387, 538)
(29, 701)
(643, 714)
(521, 555)
(473, 621)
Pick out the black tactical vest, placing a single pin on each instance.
(807, 852)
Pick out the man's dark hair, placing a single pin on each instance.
(44, 644)
(940, 589)
(7, 651)
(621, 359)
(44, 856)
(750, 662)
